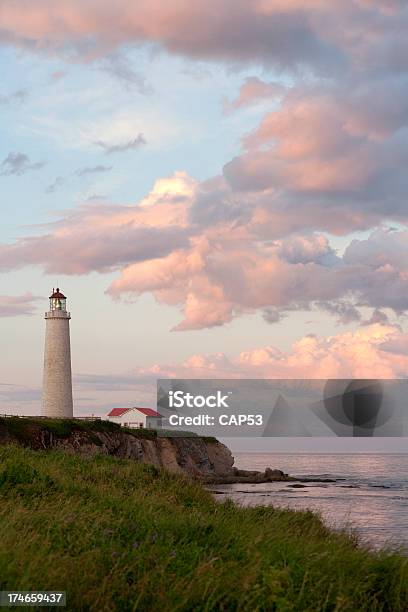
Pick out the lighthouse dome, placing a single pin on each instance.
(57, 294)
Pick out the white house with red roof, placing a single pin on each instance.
(136, 417)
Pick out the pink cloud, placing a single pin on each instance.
(330, 157)
(103, 238)
(18, 305)
(255, 90)
(215, 271)
(363, 353)
(294, 34)
(318, 142)
(226, 273)
(234, 30)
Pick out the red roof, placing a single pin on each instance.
(117, 412)
(57, 294)
(148, 412)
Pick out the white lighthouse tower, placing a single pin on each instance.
(57, 382)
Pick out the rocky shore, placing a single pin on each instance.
(248, 476)
(196, 457)
(203, 459)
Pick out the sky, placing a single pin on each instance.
(219, 189)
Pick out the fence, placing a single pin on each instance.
(40, 416)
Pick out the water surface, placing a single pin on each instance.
(370, 494)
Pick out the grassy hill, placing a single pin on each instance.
(117, 535)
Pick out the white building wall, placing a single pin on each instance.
(57, 380)
(131, 418)
(134, 418)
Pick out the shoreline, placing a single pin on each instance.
(256, 477)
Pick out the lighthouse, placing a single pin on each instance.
(57, 381)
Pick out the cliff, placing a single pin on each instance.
(203, 458)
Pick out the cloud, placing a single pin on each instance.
(306, 249)
(306, 146)
(329, 157)
(10, 393)
(118, 66)
(379, 350)
(323, 160)
(295, 35)
(60, 180)
(101, 248)
(272, 315)
(226, 273)
(237, 31)
(95, 197)
(378, 316)
(375, 351)
(93, 170)
(14, 306)
(18, 164)
(55, 185)
(216, 272)
(255, 90)
(16, 97)
(345, 312)
(397, 345)
(135, 143)
(108, 382)
(104, 238)
(19, 399)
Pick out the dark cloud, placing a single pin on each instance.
(135, 143)
(18, 164)
(60, 180)
(286, 36)
(303, 249)
(10, 393)
(273, 315)
(383, 250)
(377, 316)
(398, 345)
(118, 66)
(16, 97)
(93, 170)
(95, 197)
(345, 312)
(55, 185)
(103, 382)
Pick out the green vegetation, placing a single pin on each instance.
(117, 535)
(23, 429)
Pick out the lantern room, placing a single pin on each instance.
(58, 301)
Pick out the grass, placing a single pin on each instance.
(23, 429)
(117, 535)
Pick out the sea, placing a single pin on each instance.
(369, 496)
